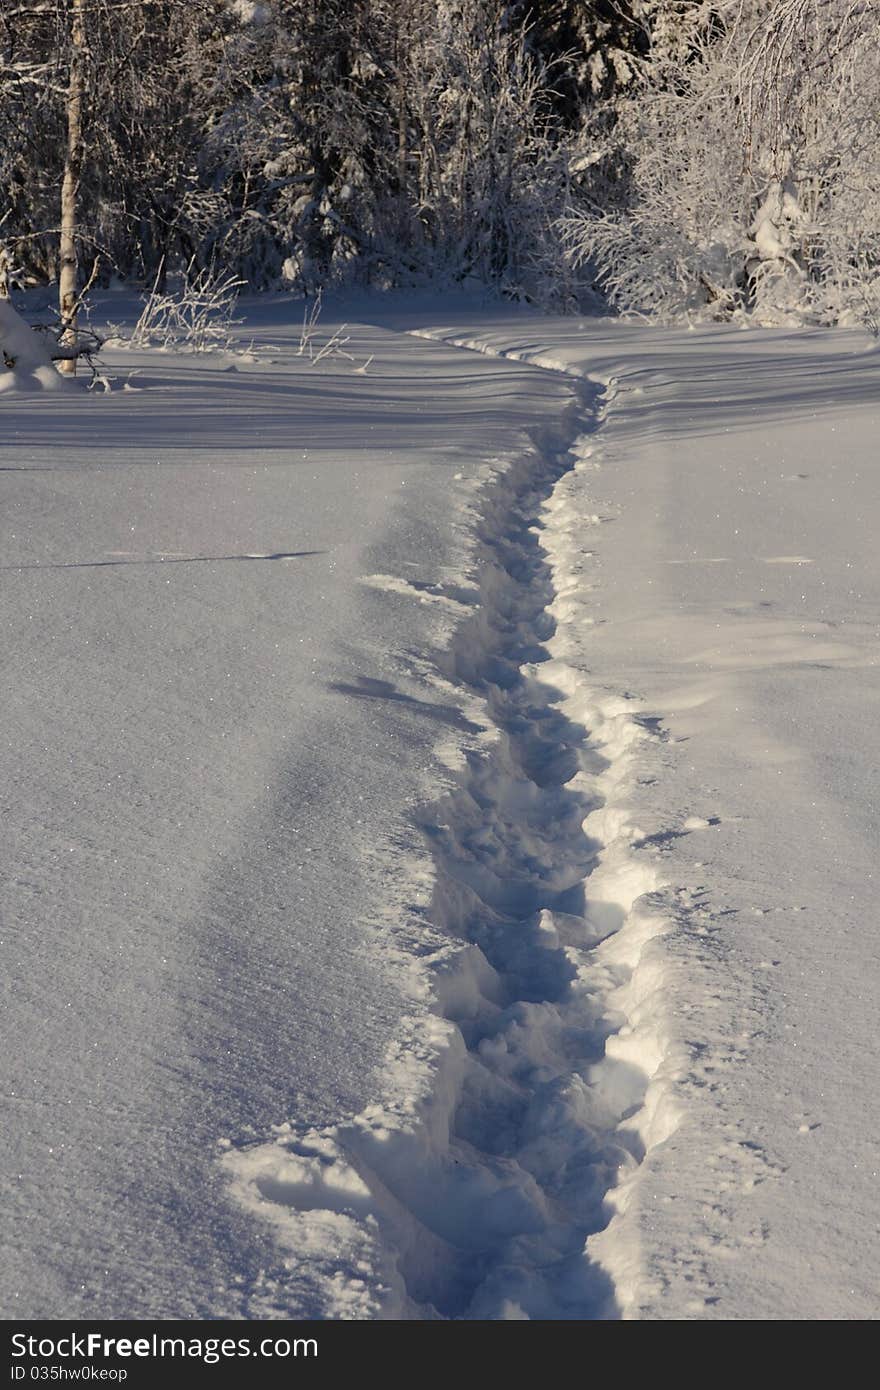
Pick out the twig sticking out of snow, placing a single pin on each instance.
(335, 345)
(309, 324)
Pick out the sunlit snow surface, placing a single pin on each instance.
(439, 826)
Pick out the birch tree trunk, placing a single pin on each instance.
(73, 158)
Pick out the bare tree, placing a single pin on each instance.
(68, 259)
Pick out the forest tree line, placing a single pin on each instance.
(664, 156)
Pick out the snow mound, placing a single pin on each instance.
(25, 364)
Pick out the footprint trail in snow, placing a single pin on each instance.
(481, 1183)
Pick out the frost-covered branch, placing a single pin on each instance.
(754, 164)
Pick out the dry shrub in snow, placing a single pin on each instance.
(199, 317)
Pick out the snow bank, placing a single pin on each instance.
(25, 363)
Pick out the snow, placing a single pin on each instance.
(440, 827)
(25, 363)
(714, 564)
(209, 778)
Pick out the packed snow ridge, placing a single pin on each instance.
(490, 1179)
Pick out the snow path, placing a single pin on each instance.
(736, 602)
(696, 641)
(471, 1186)
(654, 1095)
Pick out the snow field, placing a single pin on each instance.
(516, 911)
(281, 963)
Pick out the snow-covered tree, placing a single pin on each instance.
(486, 155)
(753, 169)
(386, 139)
(597, 48)
(717, 156)
(96, 108)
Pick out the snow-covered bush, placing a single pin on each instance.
(25, 358)
(754, 170)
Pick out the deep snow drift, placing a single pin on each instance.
(439, 827)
